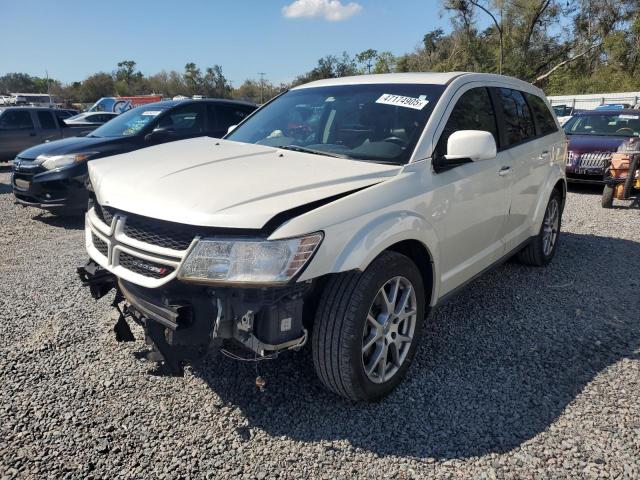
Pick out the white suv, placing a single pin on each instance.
(340, 212)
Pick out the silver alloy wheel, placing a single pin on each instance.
(550, 227)
(388, 330)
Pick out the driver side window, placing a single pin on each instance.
(184, 121)
(473, 111)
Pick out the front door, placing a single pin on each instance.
(474, 197)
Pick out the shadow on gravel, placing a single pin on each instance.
(585, 188)
(74, 222)
(496, 366)
(5, 188)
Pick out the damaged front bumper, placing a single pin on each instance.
(183, 321)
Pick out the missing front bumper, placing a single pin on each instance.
(182, 322)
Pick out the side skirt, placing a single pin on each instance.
(454, 293)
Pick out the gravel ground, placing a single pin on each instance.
(530, 373)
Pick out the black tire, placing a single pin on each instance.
(337, 340)
(631, 177)
(534, 253)
(607, 196)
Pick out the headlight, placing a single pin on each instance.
(58, 161)
(248, 261)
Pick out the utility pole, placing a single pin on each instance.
(262, 74)
(48, 88)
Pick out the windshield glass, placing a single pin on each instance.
(607, 124)
(128, 123)
(377, 122)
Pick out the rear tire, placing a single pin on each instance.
(543, 246)
(607, 196)
(361, 350)
(631, 177)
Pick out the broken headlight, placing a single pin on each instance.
(248, 261)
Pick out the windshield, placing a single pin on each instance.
(128, 123)
(607, 124)
(377, 122)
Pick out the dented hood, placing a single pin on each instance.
(210, 182)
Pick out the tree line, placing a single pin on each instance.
(563, 46)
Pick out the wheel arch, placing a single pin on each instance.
(555, 181)
(419, 254)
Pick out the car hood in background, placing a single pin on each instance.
(69, 145)
(594, 143)
(220, 183)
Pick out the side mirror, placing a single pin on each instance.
(159, 134)
(475, 145)
(231, 129)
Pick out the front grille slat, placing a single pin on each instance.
(105, 214)
(100, 245)
(158, 232)
(144, 267)
(594, 160)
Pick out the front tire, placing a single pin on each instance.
(543, 246)
(367, 327)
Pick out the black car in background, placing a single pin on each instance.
(52, 175)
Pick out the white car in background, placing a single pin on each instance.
(338, 214)
(91, 118)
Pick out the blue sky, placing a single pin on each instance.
(72, 39)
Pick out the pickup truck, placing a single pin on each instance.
(24, 127)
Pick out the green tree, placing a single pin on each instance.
(96, 86)
(192, 79)
(366, 58)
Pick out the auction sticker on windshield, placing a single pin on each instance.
(400, 101)
(152, 113)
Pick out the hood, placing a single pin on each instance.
(594, 143)
(69, 145)
(220, 183)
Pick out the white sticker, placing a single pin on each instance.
(152, 113)
(629, 117)
(400, 101)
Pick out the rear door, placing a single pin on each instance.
(521, 154)
(17, 132)
(49, 129)
(477, 197)
(222, 116)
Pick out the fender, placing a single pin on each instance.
(378, 235)
(555, 174)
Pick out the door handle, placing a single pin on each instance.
(32, 134)
(544, 155)
(506, 170)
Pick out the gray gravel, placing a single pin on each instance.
(530, 373)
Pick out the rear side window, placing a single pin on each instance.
(517, 118)
(473, 111)
(16, 120)
(46, 121)
(227, 115)
(544, 119)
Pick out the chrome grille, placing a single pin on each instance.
(594, 160)
(143, 267)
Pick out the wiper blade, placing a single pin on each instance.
(298, 148)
